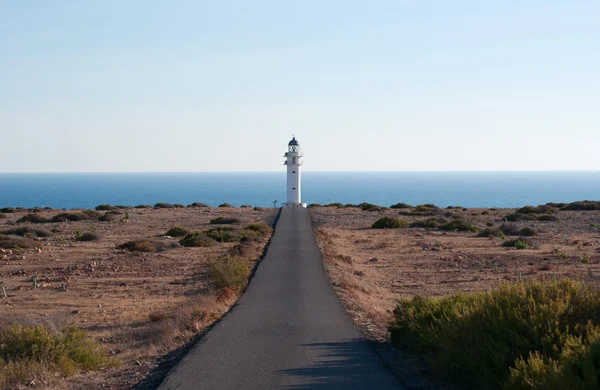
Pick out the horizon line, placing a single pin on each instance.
(308, 171)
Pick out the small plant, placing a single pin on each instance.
(162, 205)
(224, 221)
(527, 231)
(88, 236)
(515, 217)
(389, 223)
(401, 206)
(489, 223)
(29, 231)
(492, 231)
(595, 226)
(197, 240)
(261, 228)
(460, 225)
(563, 255)
(230, 272)
(105, 207)
(197, 204)
(176, 231)
(7, 210)
(77, 234)
(126, 216)
(429, 223)
(3, 216)
(225, 205)
(585, 258)
(138, 246)
(517, 243)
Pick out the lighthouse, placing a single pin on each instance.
(294, 169)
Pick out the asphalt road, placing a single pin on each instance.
(288, 330)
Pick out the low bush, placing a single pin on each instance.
(426, 208)
(33, 218)
(230, 272)
(401, 206)
(224, 221)
(113, 215)
(541, 209)
(7, 210)
(138, 246)
(225, 205)
(14, 242)
(515, 217)
(547, 217)
(162, 205)
(489, 223)
(197, 240)
(3, 216)
(370, 207)
(584, 205)
(313, 205)
(492, 231)
(179, 206)
(85, 215)
(533, 335)
(224, 234)
(336, 205)
(527, 231)
(197, 204)
(510, 229)
(261, 228)
(88, 236)
(28, 231)
(142, 206)
(106, 207)
(176, 231)
(518, 243)
(460, 225)
(246, 206)
(429, 223)
(389, 223)
(28, 352)
(256, 208)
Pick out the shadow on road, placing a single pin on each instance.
(342, 365)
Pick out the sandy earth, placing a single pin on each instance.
(371, 268)
(139, 305)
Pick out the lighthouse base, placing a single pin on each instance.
(289, 204)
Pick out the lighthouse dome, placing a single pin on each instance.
(293, 142)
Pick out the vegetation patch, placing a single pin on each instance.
(163, 205)
(492, 231)
(230, 272)
(517, 243)
(461, 225)
(106, 207)
(33, 218)
(197, 240)
(7, 210)
(28, 231)
(142, 206)
(259, 227)
(541, 209)
(225, 205)
(429, 223)
(370, 207)
(113, 215)
(389, 223)
(197, 204)
(3, 216)
(15, 242)
(177, 231)
(28, 352)
(87, 236)
(224, 221)
(584, 205)
(401, 205)
(533, 335)
(515, 217)
(85, 215)
(138, 246)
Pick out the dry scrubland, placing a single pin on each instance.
(426, 274)
(116, 288)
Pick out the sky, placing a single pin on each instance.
(400, 85)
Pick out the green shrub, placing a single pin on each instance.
(490, 340)
(88, 236)
(519, 217)
(225, 205)
(246, 206)
(584, 205)
(29, 231)
(224, 221)
(370, 207)
(460, 225)
(389, 223)
(547, 217)
(197, 204)
(142, 206)
(7, 210)
(197, 240)
(429, 223)
(13, 242)
(489, 224)
(26, 351)
(256, 208)
(337, 205)
(113, 215)
(401, 206)
(527, 231)
(33, 218)
(85, 215)
(427, 208)
(179, 206)
(230, 272)
(492, 231)
(313, 205)
(106, 207)
(541, 209)
(516, 243)
(261, 228)
(163, 205)
(176, 231)
(138, 246)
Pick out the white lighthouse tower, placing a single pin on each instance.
(294, 169)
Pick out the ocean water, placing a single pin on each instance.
(467, 189)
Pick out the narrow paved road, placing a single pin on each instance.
(287, 331)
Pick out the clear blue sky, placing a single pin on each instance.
(118, 85)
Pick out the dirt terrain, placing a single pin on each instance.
(372, 268)
(139, 305)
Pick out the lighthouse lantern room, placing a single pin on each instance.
(294, 169)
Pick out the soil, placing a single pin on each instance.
(371, 269)
(138, 305)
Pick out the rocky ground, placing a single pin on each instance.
(138, 305)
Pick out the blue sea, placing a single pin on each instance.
(467, 189)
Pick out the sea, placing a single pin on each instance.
(466, 189)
